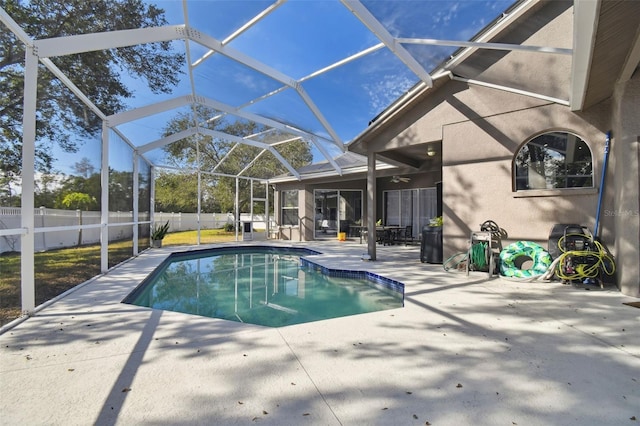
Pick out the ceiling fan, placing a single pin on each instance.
(398, 179)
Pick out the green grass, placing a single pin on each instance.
(56, 271)
(207, 236)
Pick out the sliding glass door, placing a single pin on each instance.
(336, 211)
(410, 207)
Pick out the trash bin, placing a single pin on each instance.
(431, 244)
(342, 236)
(247, 231)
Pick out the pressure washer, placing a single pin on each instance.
(579, 257)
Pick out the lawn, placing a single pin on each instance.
(56, 271)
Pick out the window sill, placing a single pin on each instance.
(526, 193)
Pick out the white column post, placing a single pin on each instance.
(198, 161)
(199, 215)
(371, 205)
(136, 193)
(267, 216)
(251, 205)
(27, 257)
(104, 200)
(237, 207)
(152, 198)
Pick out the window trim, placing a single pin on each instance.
(550, 192)
(525, 193)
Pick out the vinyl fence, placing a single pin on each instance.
(10, 218)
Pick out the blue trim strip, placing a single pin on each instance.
(384, 282)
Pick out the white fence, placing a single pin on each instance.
(189, 221)
(10, 218)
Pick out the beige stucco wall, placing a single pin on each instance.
(477, 175)
(478, 152)
(545, 25)
(481, 130)
(624, 179)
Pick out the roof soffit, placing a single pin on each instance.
(615, 52)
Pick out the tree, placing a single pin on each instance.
(176, 192)
(90, 185)
(8, 196)
(219, 191)
(45, 190)
(120, 191)
(84, 167)
(62, 119)
(80, 202)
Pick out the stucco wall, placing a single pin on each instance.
(624, 177)
(477, 174)
(545, 25)
(481, 130)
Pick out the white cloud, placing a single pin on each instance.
(383, 92)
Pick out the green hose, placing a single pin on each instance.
(455, 261)
(479, 255)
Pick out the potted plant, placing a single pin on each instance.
(158, 233)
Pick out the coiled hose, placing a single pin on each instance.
(478, 255)
(602, 261)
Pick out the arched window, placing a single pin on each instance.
(553, 160)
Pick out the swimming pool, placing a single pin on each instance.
(264, 285)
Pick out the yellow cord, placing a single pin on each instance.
(604, 261)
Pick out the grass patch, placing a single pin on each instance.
(207, 236)
(56, 271)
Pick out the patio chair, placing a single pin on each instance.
(407, 235)
(384, 237)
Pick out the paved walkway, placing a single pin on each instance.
(463, 351)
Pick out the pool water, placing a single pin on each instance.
(263, 285)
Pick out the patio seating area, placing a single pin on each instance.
(393, 235)
(464, 350)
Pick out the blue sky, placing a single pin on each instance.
(301, 37)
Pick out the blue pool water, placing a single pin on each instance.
(269, 286)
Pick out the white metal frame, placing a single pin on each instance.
(42, 50)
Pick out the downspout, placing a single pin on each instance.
(596, 227)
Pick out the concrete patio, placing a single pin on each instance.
(462, 351)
